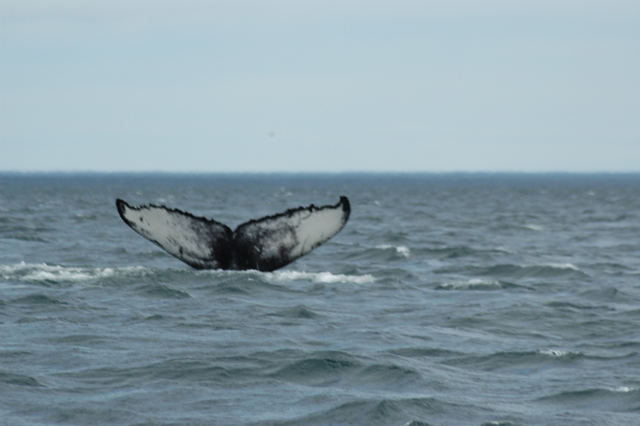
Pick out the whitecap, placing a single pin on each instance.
(622, 389)
(474, 283)
(401, 250)
(556, 353)
(57, 274)
(42, 272)
(562, 266)
(534, 227)
(320, 277)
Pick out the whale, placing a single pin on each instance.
(264, 244)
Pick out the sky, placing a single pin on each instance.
(320, 86)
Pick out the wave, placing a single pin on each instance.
(472, 284)
(520, 363)
(380, 253)
(37, 299)
(450, 252)
(54, 274)
(408, 411)
(296, 312)
(623, 389)
(561, 266)
(44, 273)
(424, 352)
(163, 291)
(539, 271)
(544, 270)
(402, 251)
(18, 379)
(318, 370)
(558, 353)
(398, 377)
(319, 277)
(621, 398)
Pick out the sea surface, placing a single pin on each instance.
(448, 299)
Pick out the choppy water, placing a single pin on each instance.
(446, 300)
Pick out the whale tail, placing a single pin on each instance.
(264, 244)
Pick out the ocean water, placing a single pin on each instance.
(454, 299)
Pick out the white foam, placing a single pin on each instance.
(58, 274)
(472, 283)
(623, 389)
(562, 266)
(401, 250)
(534, 227)
(555, 352)
(42, 272)
(320, 277)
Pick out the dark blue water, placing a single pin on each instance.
(446, 300)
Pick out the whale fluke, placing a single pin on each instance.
(264, 244)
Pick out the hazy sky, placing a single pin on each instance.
(248, 85)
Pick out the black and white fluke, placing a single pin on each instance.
(264, 244)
